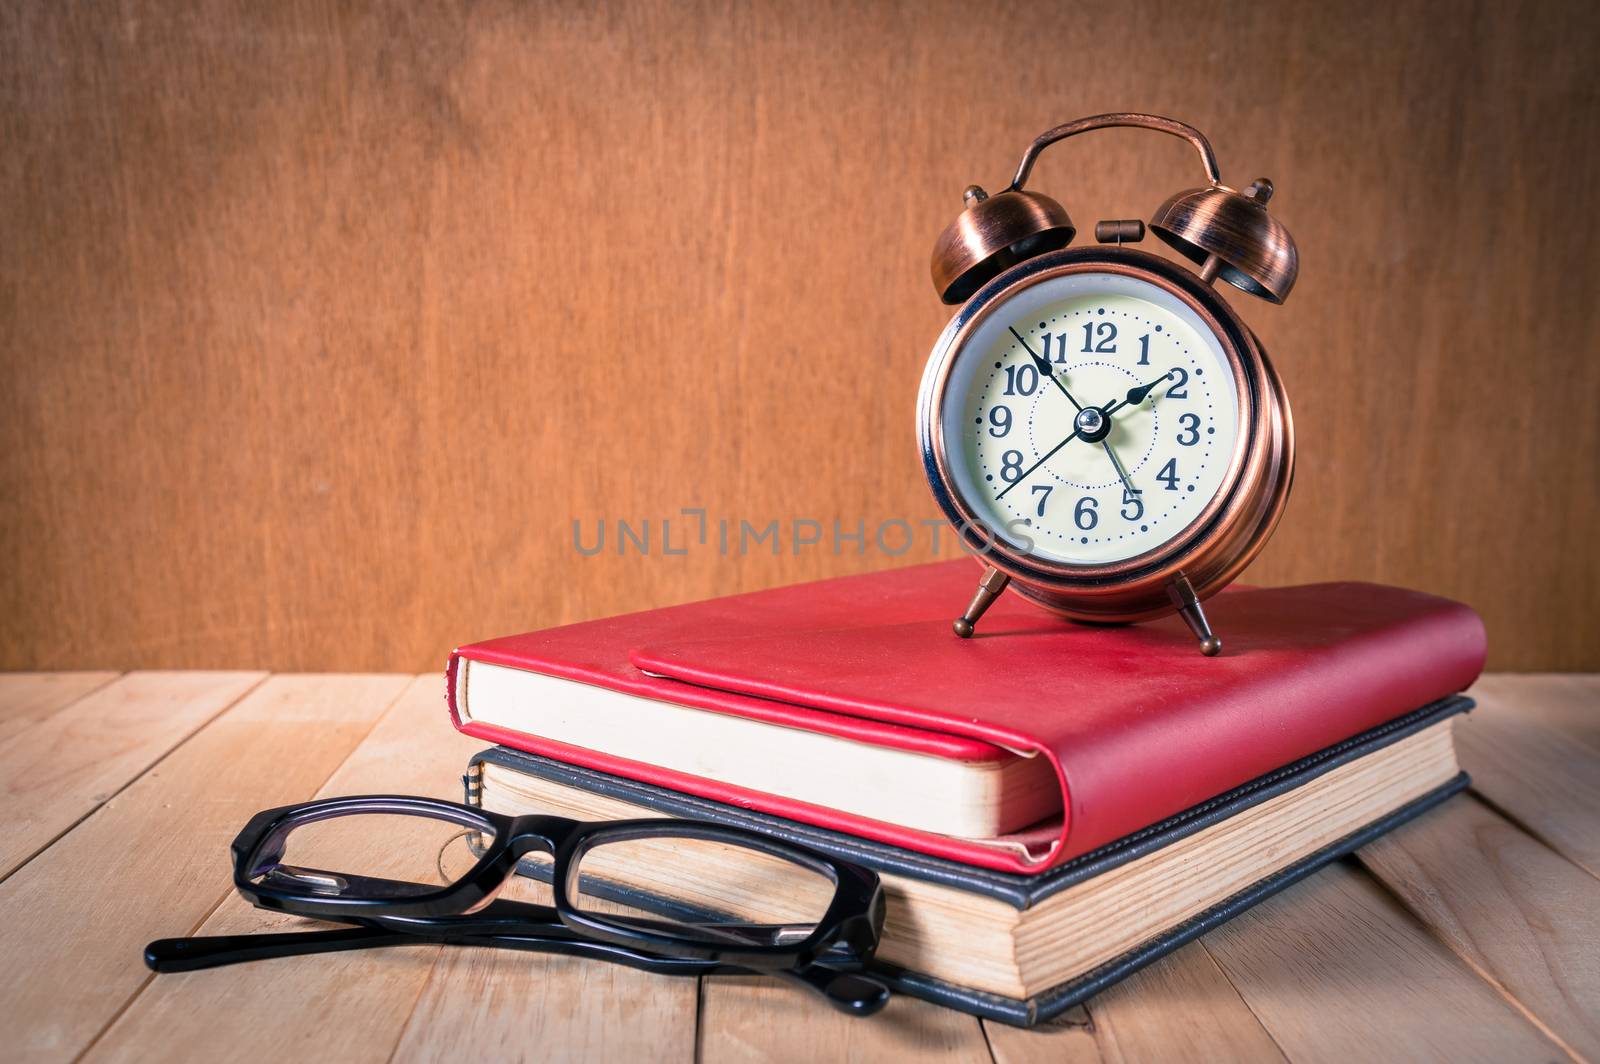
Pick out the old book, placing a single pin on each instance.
(1022, 948)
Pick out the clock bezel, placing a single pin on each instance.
(1213, 547)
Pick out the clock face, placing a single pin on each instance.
(1089, 418)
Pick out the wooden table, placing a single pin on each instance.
(1472, 934)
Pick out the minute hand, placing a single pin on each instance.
(1047, 369)
(1134, 397)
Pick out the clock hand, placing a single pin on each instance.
(1140, 392)
(1123, 473)
(1134, 397)
(1044, 367)
(1024, 474)
(1137, 395)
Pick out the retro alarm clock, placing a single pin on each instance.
(1102, 429)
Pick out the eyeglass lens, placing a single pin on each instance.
(373, 855)
(701, 889)
(706, 890)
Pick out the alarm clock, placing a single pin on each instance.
(1101, 428)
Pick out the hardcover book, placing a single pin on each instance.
(848, 705)
(1022, 948)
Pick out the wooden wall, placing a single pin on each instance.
(322, 323)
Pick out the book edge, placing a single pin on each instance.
(1025, 786)
(1042, 1007)
(1020, 890)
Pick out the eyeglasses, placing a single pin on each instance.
(406, 870)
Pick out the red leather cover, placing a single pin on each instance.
(1137, 723)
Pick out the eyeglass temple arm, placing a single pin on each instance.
(215, 951)
(514, 917)
(858, 995)
(849, 992)
(855, 994)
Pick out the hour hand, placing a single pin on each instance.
(1137, 395)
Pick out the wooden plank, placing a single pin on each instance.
(56, 772)
(1180, 1008)
(1565, 702)
(521, 1006)
(1521, 915)
(1337, 971)
(762, 1019)
(1183, 1008)
(153, 861)
(355, 1006)
(1067, 1039)
(1533, 748)
(351, 1006)
(27, 697)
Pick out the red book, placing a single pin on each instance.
(1101, 730)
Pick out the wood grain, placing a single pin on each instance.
(526, 1007)
(1487, 953)
(58, 771)
(1522, 916)
(1336, 970)
(1067, 1039)
(153, 861)
(1182, 1008)
(324, 322)
(402, 1004)
(759, 1019)
(1533, 749)
(29, 697)
(350, 1005)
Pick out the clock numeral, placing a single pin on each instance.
(1106, 332)
(1021, 380)
(1191, 430)
(1130, 498)
(1061, 348)
(999, 421)
(1043, 491)
(1011, 467)
(1169, 474)
(1144, 350)
(1087, 513)
(1180, 388)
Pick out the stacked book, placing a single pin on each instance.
(1050, 806)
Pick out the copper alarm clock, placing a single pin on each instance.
(1097, 422)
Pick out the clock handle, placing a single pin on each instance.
(1208, 158)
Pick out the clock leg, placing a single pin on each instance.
(990, 585)
(1188, 603)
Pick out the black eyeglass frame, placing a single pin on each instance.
(846, 935)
